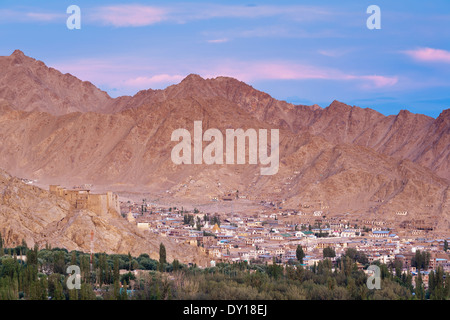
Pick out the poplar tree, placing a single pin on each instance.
(73, 294)
(129, 261)
(73, 260)
(300, 254)
(116, 269)
(116, 289)
(1, 245)
(124, 294)
(162, 257)
(420, 291)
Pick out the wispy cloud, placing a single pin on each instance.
(30, 15)
(139, 15)
(334, 53)
(218, 40)
(128, 75)
(45, 16)
(292, 12)
(376, 81)
(429, 55)
(132, 15)
(281, 70)
(125, 75)
(143, 15)
(148, 82)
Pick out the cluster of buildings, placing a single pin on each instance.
(267, 235)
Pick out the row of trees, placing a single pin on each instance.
(43, 276)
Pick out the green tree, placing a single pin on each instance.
(32, 258)
(87, 293)
(175, 265)
(300, 254)
(445, 245)
(73, 294)
(275, 270)
(420, 291)
(116, 289)
(59, 293)
(329, 252)
(1, 245)
(116, 274)
(73, 260)
(59, 264)
(421, 260)
(438, 285)
(447, 286)
(398, 265)
(85, 268)
(123, 293)
(199, 224)
(129, 261)
(162, 257)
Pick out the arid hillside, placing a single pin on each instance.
(355, 160)
(30, 213)
(29, 85)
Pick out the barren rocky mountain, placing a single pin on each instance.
(30, 213)
(416, 137)
(354, 160)
(29, 85)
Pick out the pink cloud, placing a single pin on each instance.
(253, 71)
(146, 82)
(430, 54)
(218, 40)
(136, 15)
(333, 53)
(129, 15)
(136, 74)
(381, 81)
(45, 16)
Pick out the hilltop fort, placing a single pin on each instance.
(84, 199)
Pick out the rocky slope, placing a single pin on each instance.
(30, 213)
(29, 85)
(130, 150)
(416, 137)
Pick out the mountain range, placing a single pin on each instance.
(58, 129)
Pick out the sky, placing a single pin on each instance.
(304, 52)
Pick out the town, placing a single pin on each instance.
(273, 235)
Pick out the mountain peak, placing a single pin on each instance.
(18, 57)
(337, 105)
(404, 112)
(18, 53)
(28, 84)
(193, 78)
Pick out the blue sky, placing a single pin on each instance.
(303, 52)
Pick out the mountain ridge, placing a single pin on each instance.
(416, 137)
(355, 159)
